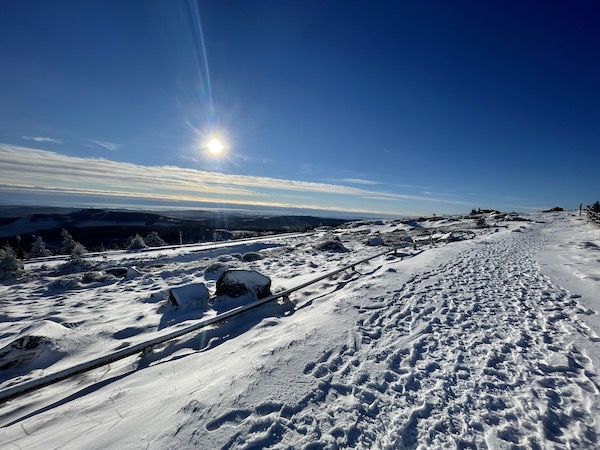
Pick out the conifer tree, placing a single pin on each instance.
(137, 243)
(70, 245)
(154, 240)
(10, 266)
(38, 248)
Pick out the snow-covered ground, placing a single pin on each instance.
(487, 339)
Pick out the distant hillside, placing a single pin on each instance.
(106, 228)
(12, 211)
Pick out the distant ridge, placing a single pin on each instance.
(110, 228)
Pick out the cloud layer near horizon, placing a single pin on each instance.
(31, 170)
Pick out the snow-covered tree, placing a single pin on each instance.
(69, 245)
(38, 248)
(78, 251)
(10, 266)
(67, 242)
(154, 240)
(137, 243)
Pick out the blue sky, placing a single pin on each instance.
(370, 107)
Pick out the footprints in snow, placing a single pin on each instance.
(470, 354)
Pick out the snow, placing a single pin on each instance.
(491, 341)
(190, 294)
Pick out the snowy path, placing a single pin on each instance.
(475, 353)
(467, 345)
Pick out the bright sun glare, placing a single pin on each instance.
(215, 146)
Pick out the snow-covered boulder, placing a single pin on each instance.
(331, 245)
(252, 256)
(132, 272)
(375, 241)
(195, 294)
(119, 272)
(97, 276)
(235, 283)
(38, 346)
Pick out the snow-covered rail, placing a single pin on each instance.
(22, 388)
(593, 216)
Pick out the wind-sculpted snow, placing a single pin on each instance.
(469, 344)
(474, 354)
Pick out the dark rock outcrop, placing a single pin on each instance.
(235, 283)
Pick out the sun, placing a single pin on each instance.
(215, 146)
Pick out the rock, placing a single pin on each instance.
(251, 256)
(38, 346)
(195, 294)
(117, 271)
(332, 245)
(132, 272)
(97, 276)
(375, 241)
(235, 283)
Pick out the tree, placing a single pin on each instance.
(154, 240)
(596, 206)
(10, 266)
(137, 243)
(77, 252)
(38, 248)
(69, 245)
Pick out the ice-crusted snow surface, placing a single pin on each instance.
(487, 342)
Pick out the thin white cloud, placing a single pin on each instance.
(359, 181)
(42, 139)
(36, 169)
(377, 197)
(107, 145)
(411, 186)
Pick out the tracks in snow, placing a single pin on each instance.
(476, 353)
